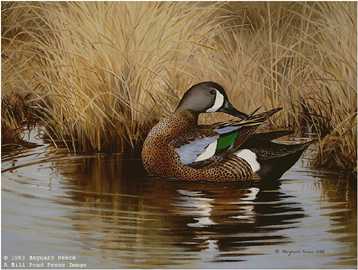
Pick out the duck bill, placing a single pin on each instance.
(230, 109)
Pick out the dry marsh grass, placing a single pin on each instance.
(105, 69)
(104, 73)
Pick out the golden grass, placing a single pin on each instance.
(104, 73)
(10, 122)
(103, 67)
(302, 57)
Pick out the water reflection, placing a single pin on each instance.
(342, 194)
(143, 219)
(107, 211)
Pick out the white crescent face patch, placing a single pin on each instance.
(218, 103)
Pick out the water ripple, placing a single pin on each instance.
(105, 210)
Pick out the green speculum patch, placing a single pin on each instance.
(225, 141)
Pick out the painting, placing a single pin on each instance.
(178, 135)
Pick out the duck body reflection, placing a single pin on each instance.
(155, 215)
(119, 217)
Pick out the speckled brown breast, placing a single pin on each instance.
(160, 158)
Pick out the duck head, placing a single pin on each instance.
(208, 97)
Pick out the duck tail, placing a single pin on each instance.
(281, 158)
(270, 135)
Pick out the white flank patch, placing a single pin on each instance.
(208, 152)
(250, 157)
(219, 101)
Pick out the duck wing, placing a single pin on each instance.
(267, 149)
(235, 133)
(208, 145)
(195, 145)
(268, 136)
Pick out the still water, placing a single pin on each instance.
(101, 211)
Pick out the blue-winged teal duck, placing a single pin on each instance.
(232, 151)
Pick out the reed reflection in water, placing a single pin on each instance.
(105, 210)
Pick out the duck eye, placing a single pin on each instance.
(213, 92)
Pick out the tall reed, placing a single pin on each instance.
(301, 56)
(104, 73)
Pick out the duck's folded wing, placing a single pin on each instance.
(267, 150)
(234, 133)
(205, 145)
(196, 145)
(209, 144)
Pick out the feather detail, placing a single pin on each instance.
(226, 141)
(209, 152)
(191, 151)
(207, 144)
